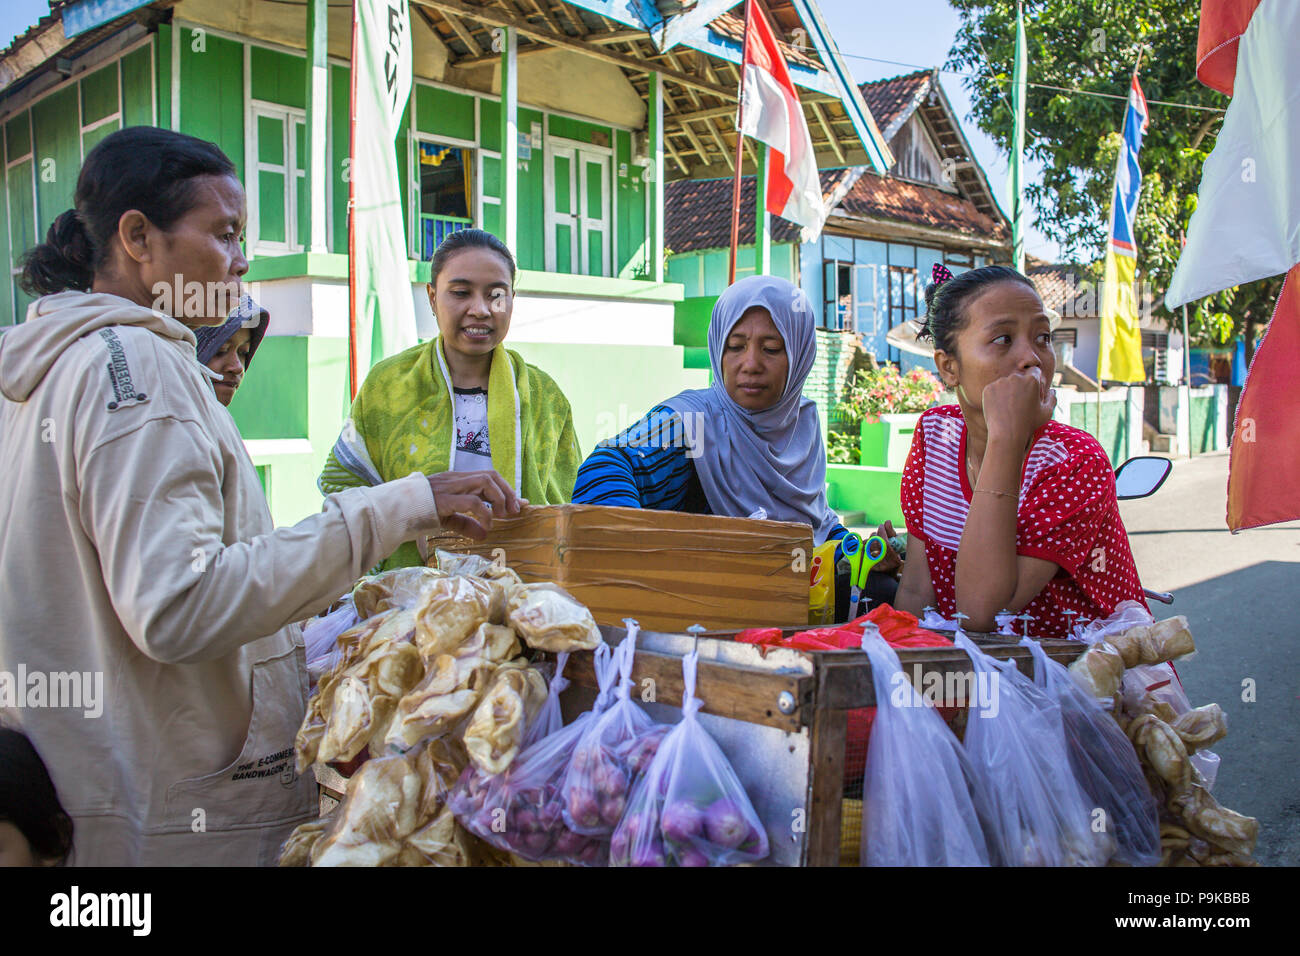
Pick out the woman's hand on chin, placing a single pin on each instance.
(1017, 405)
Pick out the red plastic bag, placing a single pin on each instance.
(898, 628)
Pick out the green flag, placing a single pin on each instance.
(379, 281)
(1019, 90)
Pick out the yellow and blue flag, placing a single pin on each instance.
(1120, 355)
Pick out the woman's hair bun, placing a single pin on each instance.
(142, 168)
(931, 289)
(65, 260)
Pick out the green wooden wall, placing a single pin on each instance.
(212, 103)
(212, 93)
(53, 131)
(340, 91)
(1113, 433)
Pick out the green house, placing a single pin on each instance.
(604, 101)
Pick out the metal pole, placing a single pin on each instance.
(740, 140)
(1187, 379)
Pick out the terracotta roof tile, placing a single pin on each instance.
(1064, 286)
(882, 197)
(732, 27)
(889, 99)
(699, 215)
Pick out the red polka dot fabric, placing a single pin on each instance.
(1068, 514)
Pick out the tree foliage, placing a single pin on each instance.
(1091, 46)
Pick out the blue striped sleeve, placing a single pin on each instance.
(645, 466)
(837, 533)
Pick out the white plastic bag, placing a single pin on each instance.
(549, 719)
(934, 621)
(1126, 616)
(1104, 764)
(689, 808)
(923, 804)
(321, 637)
(601, 772)
(521, 811)
(1015, 741)
(1161, 681)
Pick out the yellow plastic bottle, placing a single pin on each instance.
(821, 586)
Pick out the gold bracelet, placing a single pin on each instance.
(1000, 494)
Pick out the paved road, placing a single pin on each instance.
(1241, 596)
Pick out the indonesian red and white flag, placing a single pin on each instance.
(1247, 220)
(771, 114)
(1247, 227)
(1222, 24)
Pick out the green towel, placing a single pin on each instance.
(403, 420)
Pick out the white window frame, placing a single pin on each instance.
(413, 240)
(288, 116)
(858, 297)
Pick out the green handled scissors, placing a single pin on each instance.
(862, 555)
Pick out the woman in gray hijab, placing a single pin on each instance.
(749, 445)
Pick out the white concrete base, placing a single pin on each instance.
(312, 306)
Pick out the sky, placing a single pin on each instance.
(900, 36)
(912, 34)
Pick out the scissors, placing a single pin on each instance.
(862, 555)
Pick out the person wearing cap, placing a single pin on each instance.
(227, 350)
(139, 554)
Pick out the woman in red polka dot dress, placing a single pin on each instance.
(1014, 511)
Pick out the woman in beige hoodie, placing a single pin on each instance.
(145, 596)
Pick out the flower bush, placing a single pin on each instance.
(842, 448)
(886, 391)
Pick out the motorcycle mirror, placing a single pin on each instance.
(1142, 476)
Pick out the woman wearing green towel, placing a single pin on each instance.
(462, 402)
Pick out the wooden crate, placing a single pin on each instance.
(791, 758)
(666, 569)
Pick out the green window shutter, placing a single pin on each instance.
(444, 113)
(270, 206)
(278, 77)
(595, 191)
(57, 154)
(563, 248)
(89, 140)
(270, 140)
(137, 91)
(489, 125)
(492, 218)
(99, 95)
(304, 201)
(492, 177)
(18, 134)
(563, 168)
(212, 93)
(22, 225)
